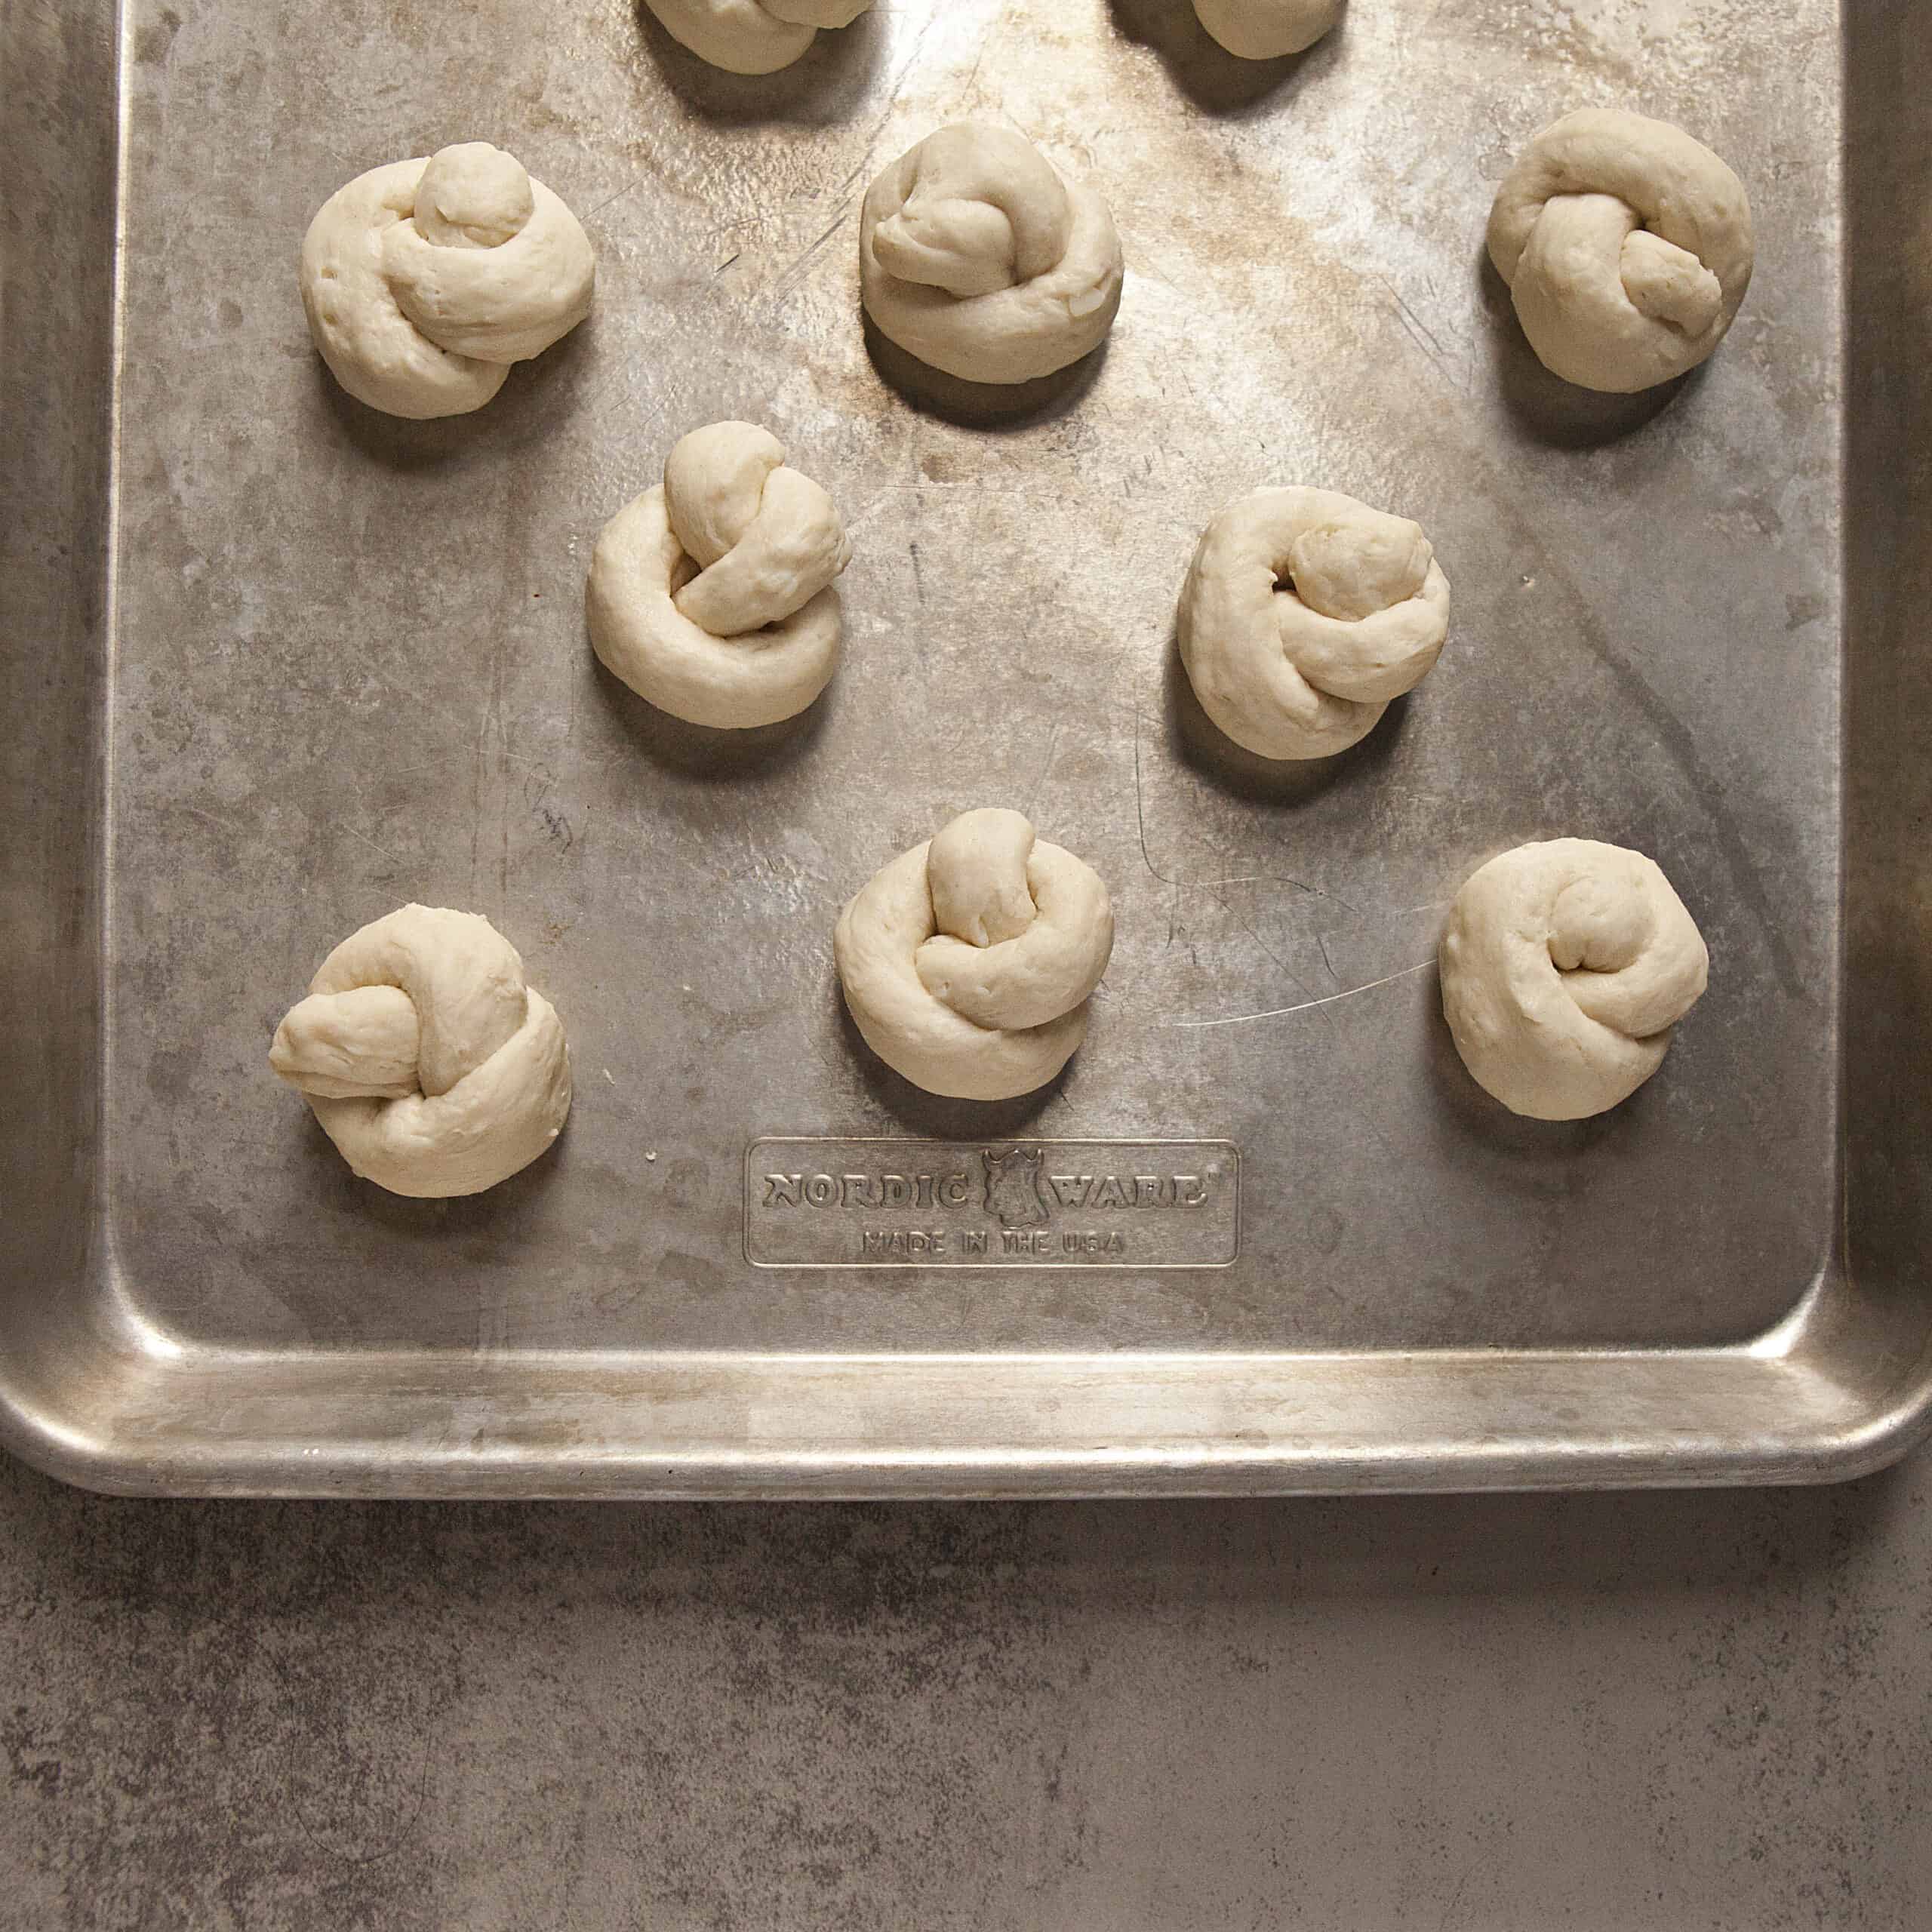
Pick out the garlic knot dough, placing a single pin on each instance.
(968, 962)
(975, 257)
(752, 36)
(425, 280)
(1264, 30)
(1564, 966)
(1304, 613)
(1626, 246)
(712, 596)
(431, 1064)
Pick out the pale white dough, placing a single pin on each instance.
(432, 1065)
(711, 595)
(967, 962)
(1264, 29)
(425, 280)
(1304, 613)
(1564, 966)
(1626, 246)
(752, 36)
(975, 257)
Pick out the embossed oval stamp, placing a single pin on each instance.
(815, 1202)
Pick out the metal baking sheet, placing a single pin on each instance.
(276, 664)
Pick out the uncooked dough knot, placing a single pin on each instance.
(766, 540)
(968, 962)
(978, 259)
(1627, 247)
(1304, 613)
(711, 595)
(425, 280)
(1264, 30)
(1564, 966)
(752, 36)
(432, 1065)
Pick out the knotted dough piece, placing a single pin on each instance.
(1564, 966)
(425, 280)
(975, 257)
(711, 595)
(1264, 30)
(430, 1063)
(1304, 613)
(967, 962)
(752, 36)
(1626, 246)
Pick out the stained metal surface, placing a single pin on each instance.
(344, 666)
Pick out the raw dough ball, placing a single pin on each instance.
(425, 280)
(967, 962)
(1626, 245)
(1564, 966)
(711, 595)
(752, 36)
(433, 1066)
(1261, 29)
(976, 256)
(1304, 613)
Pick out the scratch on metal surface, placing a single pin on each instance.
(610, 201)
(1254, 933)
(1307, 1005)
(926, 485)
(1422, 335)
(1046, 766)
(1207, 885)
(979, 59)
(791, 273)
(892, 96)
(383, 851)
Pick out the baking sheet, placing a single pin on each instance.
(349, 668)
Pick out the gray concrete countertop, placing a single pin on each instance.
(1612, 1714)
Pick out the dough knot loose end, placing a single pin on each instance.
(1304, 614)
(1564, 966)
(968, 962)
(424, 281)
(978, 258)
(431, 1064)
(1627, 247)
(712, 596)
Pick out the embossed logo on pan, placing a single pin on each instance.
(823, 1202)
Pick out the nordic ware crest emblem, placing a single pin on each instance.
(1015, 1190)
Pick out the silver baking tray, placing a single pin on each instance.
(275, 665)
